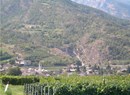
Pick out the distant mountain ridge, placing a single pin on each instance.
(118, 8)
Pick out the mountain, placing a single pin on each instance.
(125, 1)
(60, 32)
(118, 8)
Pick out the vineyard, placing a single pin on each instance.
(72, 85)
(75, 85)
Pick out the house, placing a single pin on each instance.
(89, 72)
(28, 71)
(26, 62)
(72, 68)
(23, 62)
(123, 70)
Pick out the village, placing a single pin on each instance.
(82, 70)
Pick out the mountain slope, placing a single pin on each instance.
(118, 8)
(35, 27)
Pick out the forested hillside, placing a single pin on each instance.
(62, 32)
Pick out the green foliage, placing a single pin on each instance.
(90, 85)
(19, 80)
(4, 55)
(14, 71)
(35, 55)
(120, 62)
(1, 89)
(8, 92)
(12, 89)
(57, 61)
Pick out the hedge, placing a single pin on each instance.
(19, 80)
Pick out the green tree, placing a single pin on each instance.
(14, 71)
(12, 61)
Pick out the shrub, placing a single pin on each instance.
(19, 80)
(14, 71)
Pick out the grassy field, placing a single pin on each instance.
(13, 90)
(17, 90)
